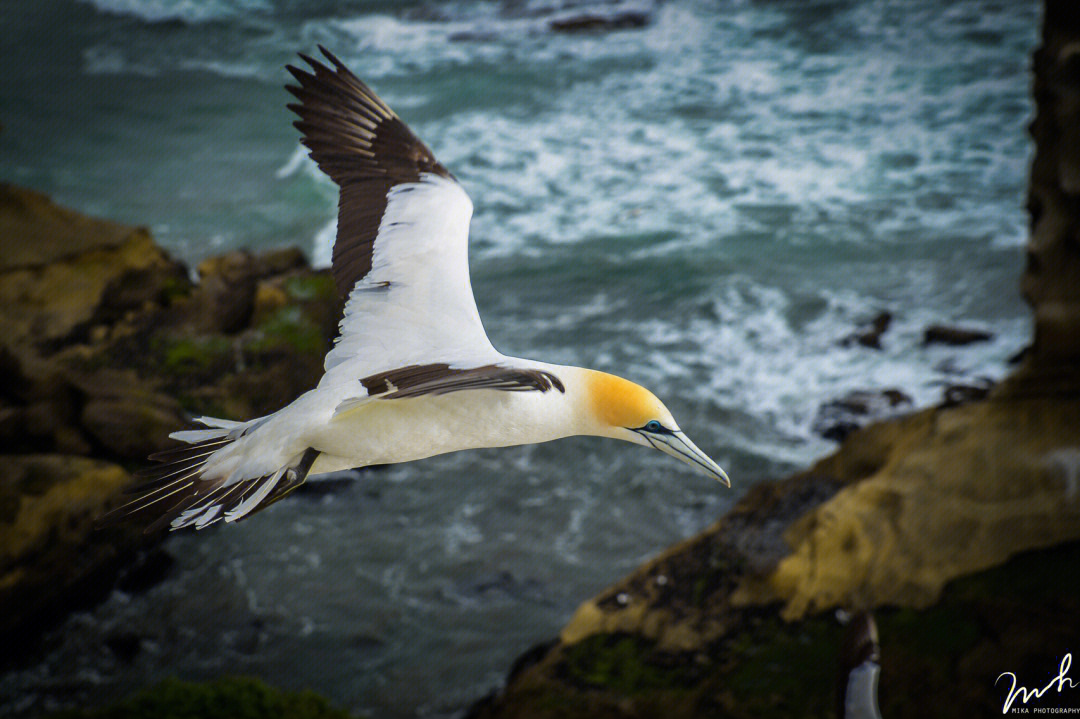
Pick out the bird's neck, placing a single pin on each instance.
(592, 401)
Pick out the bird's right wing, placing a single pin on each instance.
(401, 253)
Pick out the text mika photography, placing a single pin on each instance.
(1061, 682)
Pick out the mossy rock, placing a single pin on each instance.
(939, 661)
(625, 663)
(192, 357)
(291, 330)
(314, 286)
(51, 558)
(228, 698)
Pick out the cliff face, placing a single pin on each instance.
(959, 527)
(1051, 280)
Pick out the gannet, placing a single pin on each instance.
(412, 373)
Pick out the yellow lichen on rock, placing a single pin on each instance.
(987, 481)
(75, 490)
(58, 265)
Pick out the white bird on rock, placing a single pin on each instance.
(412, 373)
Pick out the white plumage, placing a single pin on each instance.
(427, 310)
(412, 373)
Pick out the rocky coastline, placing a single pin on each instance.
(947, 522)
(957, 526)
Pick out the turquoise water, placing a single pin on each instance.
(707, 205)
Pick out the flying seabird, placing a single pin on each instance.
(412, 373)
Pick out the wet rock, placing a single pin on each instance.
(870, 334)
(961, 393)
(600, 17)
(838, 418)
(945, 335)
(599, 21)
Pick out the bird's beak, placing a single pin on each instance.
(679, 446)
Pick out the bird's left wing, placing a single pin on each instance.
(401, 252)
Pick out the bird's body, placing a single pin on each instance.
(412, 373)
(350, 431)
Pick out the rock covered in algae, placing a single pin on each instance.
(227, 698)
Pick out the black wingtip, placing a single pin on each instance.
(301, 75)
(330, 56)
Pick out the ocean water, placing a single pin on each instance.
(707, 205)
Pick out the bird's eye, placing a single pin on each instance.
(653, 426)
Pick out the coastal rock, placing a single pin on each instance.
(956, 394)
(962, 489)
(126, 419)
(938, 661)
(958, 526)
(838, 418)
(39, 407)
(951, 524)
(1051, 279)
(107, 347)
(49, 406)
(225, 698)
(945, 335)
(48, 564)
(601, 19)
(225, 297)
(62, 272)
(870, 334)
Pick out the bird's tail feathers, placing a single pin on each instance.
(219, 428)
(179, 493)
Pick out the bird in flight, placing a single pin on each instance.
(412, 373)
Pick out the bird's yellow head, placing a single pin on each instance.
(625, 410)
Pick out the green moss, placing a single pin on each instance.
(1030, 577)
(289, 328)
(310, 287)
(623, 663)
(785, 668)
(192, 355)
(175, 287)
(942, 633)
(228, 698)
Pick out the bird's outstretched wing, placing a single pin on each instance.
(401, 253)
